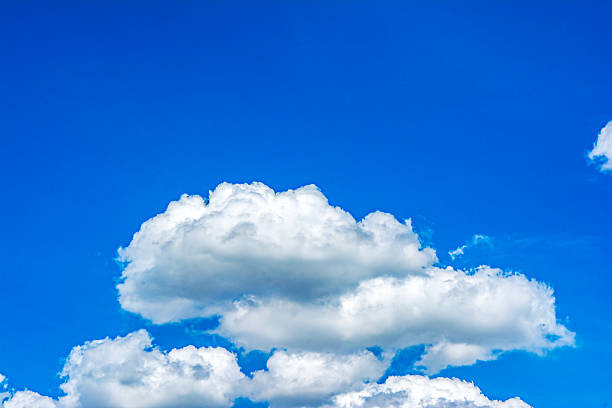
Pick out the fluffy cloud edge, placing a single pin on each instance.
(247, 252)
(309, 379)
(129, 372)
(462, 318)
(413, 391)
(602, 149)
(200, 253)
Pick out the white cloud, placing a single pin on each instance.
(288, 270)
(29, 399)
(3, 394)
(249, 240)
(476, 239)
(602, 150)
(421, 392)
(127, 372)
(463, 316)
(309, 379)
(443, 354)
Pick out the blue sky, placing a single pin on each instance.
(469, 119)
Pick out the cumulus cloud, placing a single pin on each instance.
(248, 240)
(413, 391)
(463, 316)
(288, 270)
(127, 372)
(476, 239)
(602, 150)
(29, 399)
(309, 379)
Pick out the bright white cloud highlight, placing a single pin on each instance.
(602, 150)
(248, 240)
(309, 379)
(413, 391)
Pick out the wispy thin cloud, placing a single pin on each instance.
(476, 240)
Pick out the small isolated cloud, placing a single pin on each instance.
(129, 372)
(602, 150)
(413, 391)
(476, 239)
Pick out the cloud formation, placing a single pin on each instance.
(128, 372)
(414, 391)
(602, 150)
(309, 379)
(288, 270)
(248, 240)
(464, 317)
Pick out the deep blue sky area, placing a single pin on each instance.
(468, 117)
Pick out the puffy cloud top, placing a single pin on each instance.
(414, 391)
(603, 148)
(128, 372)
(308, 379)
(248, 240)
(29, 399)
